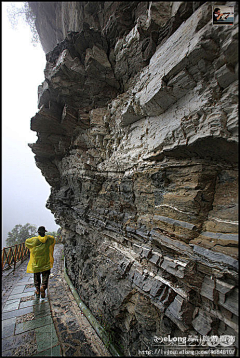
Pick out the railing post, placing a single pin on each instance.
(10, 256)
(15, 256)
(3, 252)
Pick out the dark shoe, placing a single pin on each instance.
(37, 292)
(42, 290)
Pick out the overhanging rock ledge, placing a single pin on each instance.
(138, 137)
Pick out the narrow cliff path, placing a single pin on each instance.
(52, 326)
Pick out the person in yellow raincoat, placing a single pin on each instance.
(41, 249)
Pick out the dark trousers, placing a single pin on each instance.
(45, 277)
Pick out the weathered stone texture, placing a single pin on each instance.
(138, 138)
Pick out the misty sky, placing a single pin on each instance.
(24, 189)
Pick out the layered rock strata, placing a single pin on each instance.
(138, 138)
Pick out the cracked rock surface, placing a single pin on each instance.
(138, 138)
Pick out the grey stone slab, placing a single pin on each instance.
(175, 222)
(223, 287)
(43, 314)
(31, 325)
(8, 326)
(17, 290)
(176, 307)
(225, 76)
(158, 238)
(23, 281)
(155, 258)
(216, 256)
(219, 235)
(30, 289)
(46, 337)
(138, 279)
(8, 353)
(14, 342)
(51, 352)
(230, 301)
(202, 323)
(49, 329)
(29, 303)
(26, 278)
(157, 288)
(8, 322)
(21, 284)
(10, 300)
(16, 313)
(42, 309)
(207, 288)
(19, 295)
(147, 285)
(11, 306)
(145, 252)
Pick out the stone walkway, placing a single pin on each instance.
(50, 326)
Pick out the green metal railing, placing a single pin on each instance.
(11, 255)
(114, 350)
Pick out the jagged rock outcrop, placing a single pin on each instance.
(138, 138)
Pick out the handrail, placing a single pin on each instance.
(13, 254)
(114, 350)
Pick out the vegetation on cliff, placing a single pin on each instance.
(22, 10)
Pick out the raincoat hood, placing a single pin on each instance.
(43, 239)
(41, 253)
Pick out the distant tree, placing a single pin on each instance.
(25, 12)
(56, 235)
(20, 233)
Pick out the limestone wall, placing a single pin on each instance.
(138, 138)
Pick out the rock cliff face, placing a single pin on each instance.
(137, 136)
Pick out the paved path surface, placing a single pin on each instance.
(50, 326)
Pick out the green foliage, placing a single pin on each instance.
(56, 235)
(20, 233)
(15, 13)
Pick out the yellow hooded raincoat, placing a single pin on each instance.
(41, 253)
